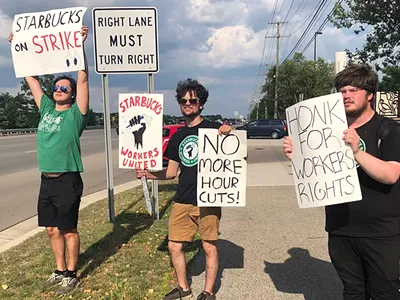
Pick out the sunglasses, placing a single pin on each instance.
(62, 88)
(192, 101)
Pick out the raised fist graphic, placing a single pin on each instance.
(138, 126)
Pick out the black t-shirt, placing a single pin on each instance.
(183, 148)
(378, 213)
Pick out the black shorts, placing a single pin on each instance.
(59, 200)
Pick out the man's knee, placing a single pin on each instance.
(210, 247)
(175, 247)
(52, 231)
(70, 233)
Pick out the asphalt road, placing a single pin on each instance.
(20, 178)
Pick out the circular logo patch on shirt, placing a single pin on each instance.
(363, 147)
(189, 150)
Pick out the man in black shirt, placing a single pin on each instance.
(364, 240)
(186, 218)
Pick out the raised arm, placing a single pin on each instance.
(33, 82)
(36, 89)
(82, 83)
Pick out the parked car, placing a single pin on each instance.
(168, 131)
(275, 128)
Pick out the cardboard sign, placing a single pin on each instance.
(140, 131)
(48, 42)
(222, 169)
(324, 169)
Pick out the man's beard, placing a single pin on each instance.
(190, 115)
(357, 112)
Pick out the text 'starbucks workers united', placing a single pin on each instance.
(189, 150)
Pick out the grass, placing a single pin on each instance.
(127, 259)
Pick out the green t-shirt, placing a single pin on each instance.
(58, 134)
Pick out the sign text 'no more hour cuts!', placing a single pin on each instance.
(125, 40)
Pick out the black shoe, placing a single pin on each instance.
(178, 293)
(205, 296)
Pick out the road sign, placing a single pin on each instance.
(125, 40)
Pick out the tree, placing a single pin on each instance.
(46, 82)
(93, 121)
(298, 79)
(390, 80)
(14, 111)
(383, 17)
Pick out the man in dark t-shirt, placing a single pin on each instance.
(364, 236)
(186, 218)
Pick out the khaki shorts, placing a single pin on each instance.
(186, 219)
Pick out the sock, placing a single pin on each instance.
(58, 272)
(69, 273)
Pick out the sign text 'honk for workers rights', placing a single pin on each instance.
(324, 168)
(48, 42)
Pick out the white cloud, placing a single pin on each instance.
(89, 3)
(231, 47)
(5, 25)
(209, 80)
(202, 11)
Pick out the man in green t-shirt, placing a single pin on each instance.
(62, 120)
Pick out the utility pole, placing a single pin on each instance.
(278, 36)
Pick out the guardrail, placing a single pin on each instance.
(23, 131)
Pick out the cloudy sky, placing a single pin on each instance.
(222, 43)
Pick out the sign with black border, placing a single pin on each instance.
(125, 40)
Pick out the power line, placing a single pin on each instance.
(302, 4)
(321, 26)
(321, 5)
(257, 86)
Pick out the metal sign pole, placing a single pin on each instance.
(154, 183)
(107, 136)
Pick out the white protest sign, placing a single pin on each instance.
(324, 169)
(222, 169)
(125, 40)
(48, 42)
(140, 131)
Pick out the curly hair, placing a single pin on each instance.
(361, 76)
(191, 86)
(72, 83)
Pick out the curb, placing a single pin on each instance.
(27, 225)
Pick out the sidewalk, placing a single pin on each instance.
(271, 249)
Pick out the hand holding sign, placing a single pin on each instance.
(288, 147)
(352, 139)
(84, 33)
